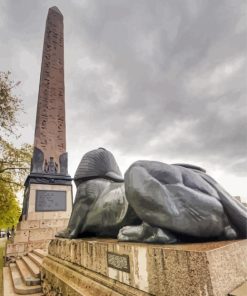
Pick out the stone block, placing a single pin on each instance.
(56, 215)
(29, 224)
(21, 236)
(15, 248)
(34, 234)
(240, 291)
(60, 279)
(54, 223)
(42, 244)
(40, 234)
(22, 248)
(211, 269)
(35, 216)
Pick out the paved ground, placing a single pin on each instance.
(2, 249)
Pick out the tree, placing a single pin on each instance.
(10, 104)
(9, 206)
(14, 161)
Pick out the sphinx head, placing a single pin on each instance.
(98, 163)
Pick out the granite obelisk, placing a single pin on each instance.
(49, 163)
(50, 135)
(47, 200)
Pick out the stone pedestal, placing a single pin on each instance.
(107, 267)
(45, 215)
(48, 202)
(34, 234)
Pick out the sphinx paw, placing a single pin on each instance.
(230, 233)
(64, 233)
(146, 234)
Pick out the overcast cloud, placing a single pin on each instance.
(160, 80)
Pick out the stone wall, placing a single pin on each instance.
(143, 269)
(34, 234)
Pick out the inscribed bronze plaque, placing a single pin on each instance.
(50, 200)
(119, 262)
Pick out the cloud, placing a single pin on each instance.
(149, 79)
(178, 68)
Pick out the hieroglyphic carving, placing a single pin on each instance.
(50, 121)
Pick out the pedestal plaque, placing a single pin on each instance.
(50, 200)
(119, 262)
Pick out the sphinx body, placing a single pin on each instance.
(100, 207)
(155, 202)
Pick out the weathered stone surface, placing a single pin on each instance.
(184, 269)
(8, 288)
(67, 281)
(50, 141)
(63, 278)
(42, 244)
(19, 249)
(21, 236)
(34, 224)
(34, 234)
(40, 234)
(240, 291)
(28, 224)
(53, 223)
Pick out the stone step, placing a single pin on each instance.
(26, 274)
(240, 291)
(8, 289)
(33, 267)
(19, 285)
(35, 258)
(41, 253)
(20, 249)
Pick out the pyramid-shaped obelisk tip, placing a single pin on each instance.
(54, 8)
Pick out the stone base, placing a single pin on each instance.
(42, 216)
(107, 267)
(32, 213)
(20, 249)
(34, 234)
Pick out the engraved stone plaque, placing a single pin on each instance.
(119, 262)
(50, 200)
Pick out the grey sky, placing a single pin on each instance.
(161, 80)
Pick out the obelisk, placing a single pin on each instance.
(50, 134)
(48, 191)
(47, 200)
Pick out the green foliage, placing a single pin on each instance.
(9, 207)
(14, 161)
(10, 104)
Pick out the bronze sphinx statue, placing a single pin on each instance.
(155, 202)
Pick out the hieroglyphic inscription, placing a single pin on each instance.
(120, 262)
(50, 121)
